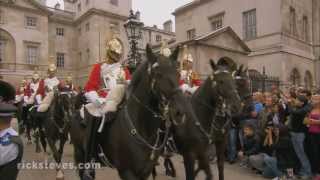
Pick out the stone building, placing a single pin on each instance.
(31, 32)
(283, 35)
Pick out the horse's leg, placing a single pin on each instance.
(170, 170)
(54, 150)
(128, 175)
(220, 147)
(189, 163)
(154, 173)
(204, 164)
(43, 140)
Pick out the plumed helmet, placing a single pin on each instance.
(35, 75)
(114, 49)
(164, 50)
(69, 78)
(52, 66)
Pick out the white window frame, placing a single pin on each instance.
(59, 31)
(305, 28)
(31, 22)
(216, 21)
(293, 21)
(87, 27)
(191, 33)
(79, 7)
(1, 16)
(158, 38)
(250, 24)
(32, 57)
(2, 50)
(61, 57)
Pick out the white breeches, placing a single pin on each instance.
(187, 88)
(44, 105)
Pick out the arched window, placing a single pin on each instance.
(295, 77)
(7, 47)
(308, 81)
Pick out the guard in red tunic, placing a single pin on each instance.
(107, 81)
(104, 91)
(45, 91)
(22, 92)
(189, 80)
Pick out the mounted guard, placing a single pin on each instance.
(189, 80)
(45, 91)
(104, 91)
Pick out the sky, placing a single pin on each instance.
(153, 12)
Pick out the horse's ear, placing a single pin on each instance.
(150, 56)
(213, 65)
(175, 54)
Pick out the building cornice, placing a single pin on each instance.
(189, 6)
(41, 10)
(148, 28)
(101, 13)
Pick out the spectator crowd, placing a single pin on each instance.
(278, 134)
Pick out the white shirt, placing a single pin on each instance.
(110, 74)
(51, 82)
(34, 86)
(9, 152)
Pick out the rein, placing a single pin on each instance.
(65, 119)
(164, 116)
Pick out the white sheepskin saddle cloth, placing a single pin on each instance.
(44, 105)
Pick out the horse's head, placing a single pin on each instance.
(164, 81)
(242, 82)
(65, 103)
(224, 85)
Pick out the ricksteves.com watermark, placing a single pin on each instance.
(35, 165)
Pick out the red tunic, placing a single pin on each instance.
(41, 88)
(94, 82)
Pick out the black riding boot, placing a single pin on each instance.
(90, 146)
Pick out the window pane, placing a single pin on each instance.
(32, 55)
(250, 24)
(2, 46)
(60, 59)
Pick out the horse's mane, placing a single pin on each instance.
(137, 75)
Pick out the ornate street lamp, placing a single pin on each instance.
(133, 28)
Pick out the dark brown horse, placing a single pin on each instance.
(53, 126)
(131, 142)
(219, 129)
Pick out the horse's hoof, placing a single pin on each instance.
(60, 175)
(87, 175)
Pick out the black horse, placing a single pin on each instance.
(193, 138)
(131, 141)
(53, 125)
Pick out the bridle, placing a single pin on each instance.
(163, 115)
(67, 117)
(222, 111)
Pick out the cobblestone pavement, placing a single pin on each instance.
(233, 172)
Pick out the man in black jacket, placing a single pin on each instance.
(299, 109)
(11, 147)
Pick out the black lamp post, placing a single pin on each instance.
(133, 28)
(264, 77)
